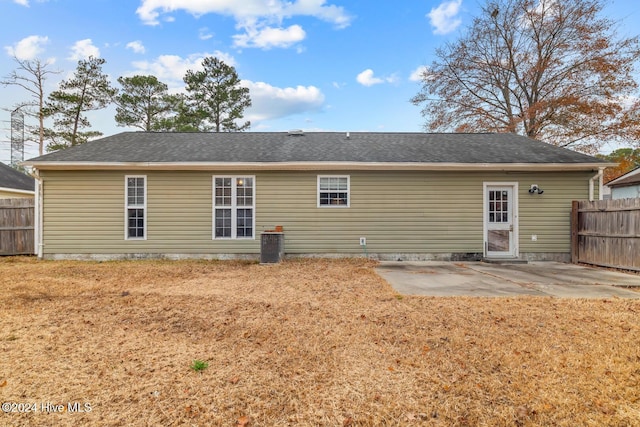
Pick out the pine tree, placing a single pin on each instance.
(144, 103)
(215, 97)
(88, 90)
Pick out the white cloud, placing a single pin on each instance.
(27, 48)
(444, 17)
(270, 102)
(268, 37)
(259, 19)
(25, 3)
(318, 9)
(136, 46)
(204, 34)
(247, 10)
(172, 68)
(367, 78)
(83, 49)
(419, 73)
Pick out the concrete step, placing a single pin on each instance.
(505, 261)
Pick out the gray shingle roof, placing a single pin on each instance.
(11, 178)
(630, 178)
(267, 147)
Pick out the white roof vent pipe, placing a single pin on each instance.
(348, 135)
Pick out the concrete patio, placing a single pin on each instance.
(438, 278)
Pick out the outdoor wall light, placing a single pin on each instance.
(535, 189)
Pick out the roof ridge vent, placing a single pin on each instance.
(296, 132)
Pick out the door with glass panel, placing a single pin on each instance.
(500, 214)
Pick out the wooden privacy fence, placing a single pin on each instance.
(16, 226)
(606, 233)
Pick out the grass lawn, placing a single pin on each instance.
(302, 343)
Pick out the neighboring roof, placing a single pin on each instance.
(11, 179)
(629, 178)
(281, 150)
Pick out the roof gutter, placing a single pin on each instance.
(302, 166)
(17, 191)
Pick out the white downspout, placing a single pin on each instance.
(599, 176)
(38, 222)
(600, 183)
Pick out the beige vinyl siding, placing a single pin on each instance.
(398, 212)
(84, 213)
(548, 215)
(395, 211)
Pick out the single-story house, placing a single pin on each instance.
(626, 186)
(15, 184)
(386, 195)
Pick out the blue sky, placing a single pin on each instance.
(317, 65)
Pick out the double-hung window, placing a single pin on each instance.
(136, 207)
(234, 207)
(333, 191)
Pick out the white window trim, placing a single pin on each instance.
(127, 207)
(234, 208)
(334, 206)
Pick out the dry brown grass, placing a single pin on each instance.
(304, 343)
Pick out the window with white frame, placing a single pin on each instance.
(333, 191)
(233, 207)
(136, 207)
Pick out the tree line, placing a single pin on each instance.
(547, 69)
(213, 100)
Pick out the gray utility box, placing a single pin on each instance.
(271, 247)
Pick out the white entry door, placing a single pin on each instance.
(500, 221)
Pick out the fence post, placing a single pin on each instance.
(575, 241)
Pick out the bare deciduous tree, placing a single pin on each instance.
(549, 69)
(31, 75)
